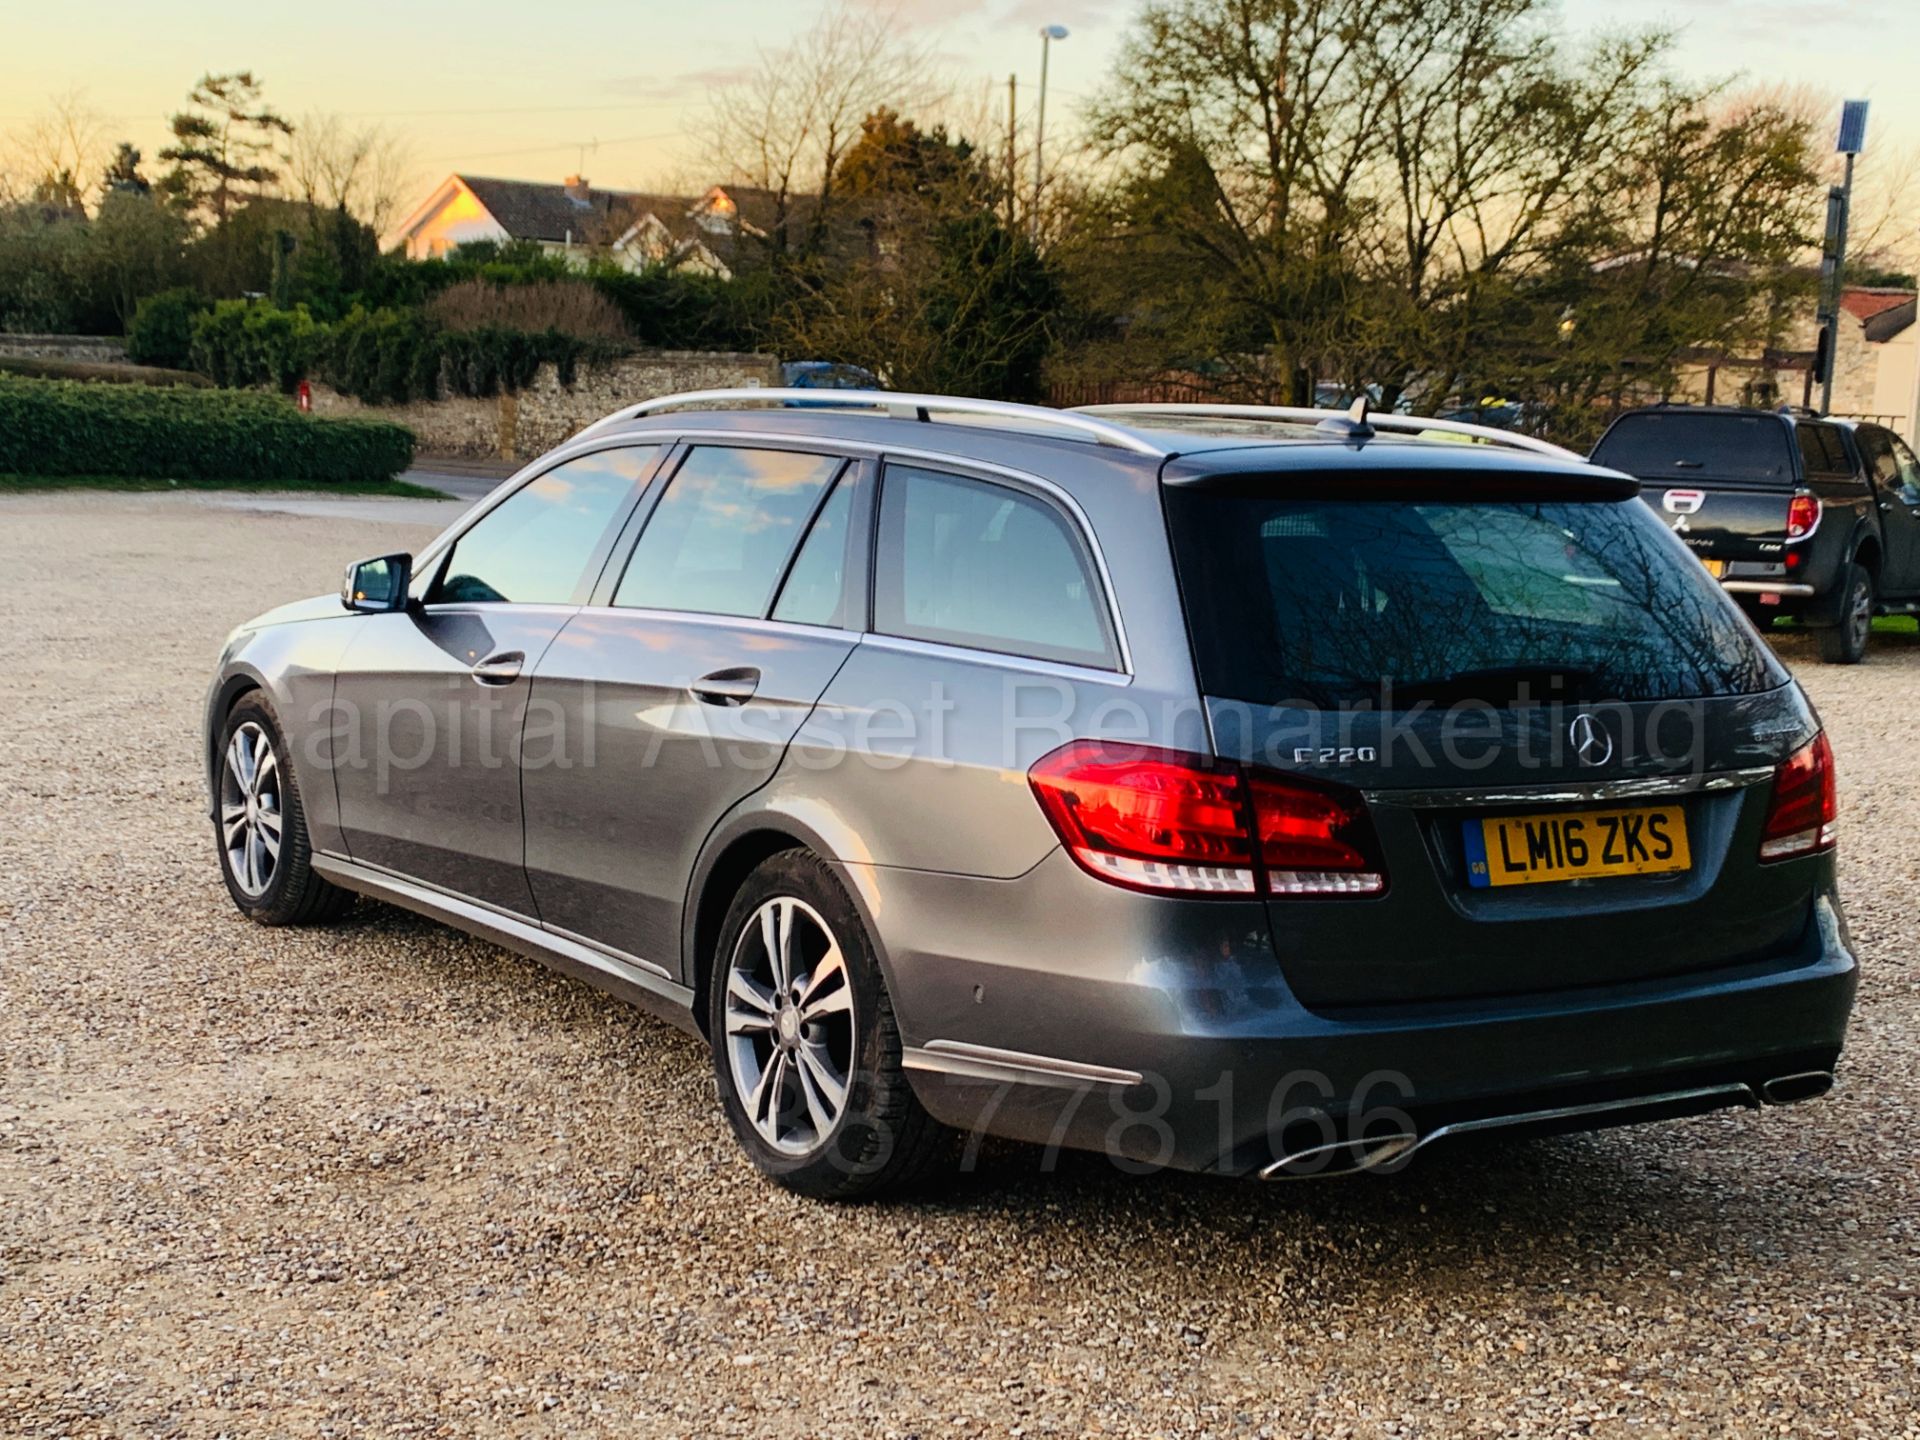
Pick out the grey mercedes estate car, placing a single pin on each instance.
(1252, 791)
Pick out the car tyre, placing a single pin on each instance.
(1845, 642)
(260, 826)
(805, 1045)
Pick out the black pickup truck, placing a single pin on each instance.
(1796, 515)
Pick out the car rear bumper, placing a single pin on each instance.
(1059, 1010)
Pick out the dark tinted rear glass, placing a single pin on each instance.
(1677, 446)
(1343, 602)
(1822, 450)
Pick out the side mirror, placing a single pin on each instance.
(379, 585)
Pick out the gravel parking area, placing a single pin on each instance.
(389, 1180)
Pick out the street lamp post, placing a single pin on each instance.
(1048, 34)
(1833, 261)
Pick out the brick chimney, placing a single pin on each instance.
(578, 190)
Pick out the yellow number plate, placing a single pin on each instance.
(1715, 568)
(1576, 845)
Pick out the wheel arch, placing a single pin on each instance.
(230, 691)
(785, 815)
(1866, 553)
(717, 879)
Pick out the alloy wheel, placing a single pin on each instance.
(251, 812)
(789, 1018)
(1860, 614)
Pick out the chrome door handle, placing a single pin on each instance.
(501, 669)
(732, 686)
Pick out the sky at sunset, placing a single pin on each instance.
(516, 89)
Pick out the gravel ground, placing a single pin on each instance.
(390, 1180)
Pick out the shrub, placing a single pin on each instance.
(162, 329)
(571, 307)
(240, 344)
(684, 310)
(61, 427)
(383, 357)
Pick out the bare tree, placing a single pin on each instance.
(368, 171)
(57, 153)
(784, 129)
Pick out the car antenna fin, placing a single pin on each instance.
(1352, 426)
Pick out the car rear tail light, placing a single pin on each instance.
(1172, 823)
(1800, 816)
(1803, 516)
(1314, 839)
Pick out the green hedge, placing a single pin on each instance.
(62, 427)
(388, 357)
(384, 357)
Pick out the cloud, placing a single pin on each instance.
(685, 85)
(1074, 14)
(926, 12)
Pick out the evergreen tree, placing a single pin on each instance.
(221, 147)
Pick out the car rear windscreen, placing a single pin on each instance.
(1676, 447)
(1387, 603)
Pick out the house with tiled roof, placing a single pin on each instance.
(1876, 363)
(576, 220)
(1876, 357)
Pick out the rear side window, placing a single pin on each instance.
(722, 533)
(535, 546)
(967, 562)
(1907, 469)
(1876, 450)
(1676, 446)
(1823, 451)
(815, 590)
(1338, 602)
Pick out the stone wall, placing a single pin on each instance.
(522, 426)
(98, 349)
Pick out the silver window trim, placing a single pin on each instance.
(872, 639)
(518, 607)
(976, 655)
(732, 622)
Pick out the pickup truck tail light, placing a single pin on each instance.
(1800, 814)
(1171, 823)
(1803, 515)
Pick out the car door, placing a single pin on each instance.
(741, 596)
(1896, 484)
(431, 701)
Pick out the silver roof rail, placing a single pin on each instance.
(901, 407)
(1358, 422)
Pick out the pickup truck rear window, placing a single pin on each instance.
(1676, 447)
(1386, 603)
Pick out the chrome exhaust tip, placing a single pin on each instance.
(1787, 1089)
(1343, 1157)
